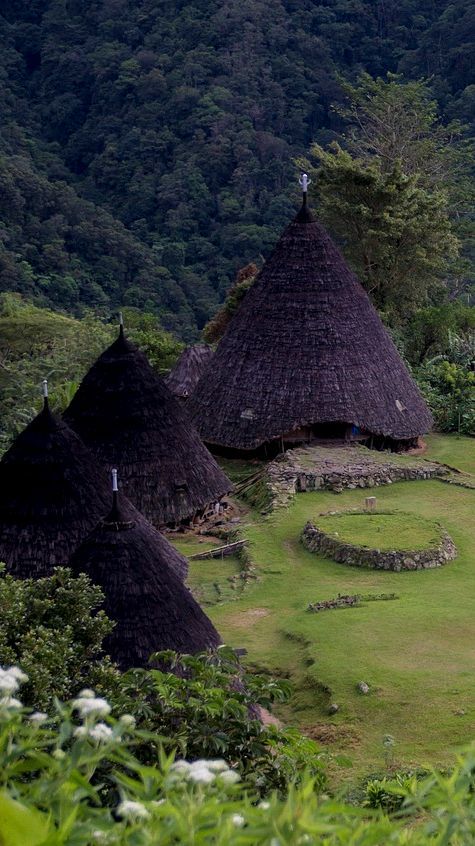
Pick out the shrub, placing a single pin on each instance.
(388, 793)
(206, 705)
(449, 389)
(52, 628)
(209, 706)
(74, 780)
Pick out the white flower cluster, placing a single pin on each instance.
(204, 772)
(132, 811)
(90, 708)
(100, 732)
(38, 717)
(10, 681)
(90, 705)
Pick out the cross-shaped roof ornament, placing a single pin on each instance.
(304, 181)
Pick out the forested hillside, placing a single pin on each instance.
(148, 147)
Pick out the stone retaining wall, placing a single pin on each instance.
(317, 468)
(350, 478)
(356, 556)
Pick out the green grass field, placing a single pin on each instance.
(456, 450)
(397, 530)
(417, 653)
(209, 579)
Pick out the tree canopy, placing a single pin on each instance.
(396, 191)
(147, 149)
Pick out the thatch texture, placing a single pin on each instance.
(184, 377)
(51, 496)
(153, 609)
(125, 413)
(306, 348)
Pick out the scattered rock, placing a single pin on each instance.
(362, 687)
(333, 708)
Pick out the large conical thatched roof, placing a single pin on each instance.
(184, 377)
(153, 609)
(51, 496)
(125, 413)
(306, 347)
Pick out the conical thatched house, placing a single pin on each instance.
(51, 496)
(184, 377)
(133, 564)
(307, 356)
(127, 416)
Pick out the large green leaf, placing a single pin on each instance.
(20, 825)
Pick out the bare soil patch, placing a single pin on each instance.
(329, 733)
(244, 618)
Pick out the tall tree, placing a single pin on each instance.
(393, 191)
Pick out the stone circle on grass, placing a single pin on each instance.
(382, 540)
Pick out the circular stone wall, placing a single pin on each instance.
(331, 535)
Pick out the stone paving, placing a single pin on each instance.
(344, 468)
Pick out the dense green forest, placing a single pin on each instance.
(148, 148)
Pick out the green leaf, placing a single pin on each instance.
(19, 825)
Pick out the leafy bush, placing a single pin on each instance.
(207, 705)
(73, 780)
(52, 628)
(161, 348)
(388, 793)
(448, 329)
(210, 706)
(449, 389)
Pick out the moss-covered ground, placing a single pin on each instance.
(417, 653)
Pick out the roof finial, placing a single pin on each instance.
(115, 493)
(121, 323)
(44, 391)
(304, 181)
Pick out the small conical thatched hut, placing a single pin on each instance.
(127, 416)
(134, 565)
(188, 370)
(51, 496)
(307, 357)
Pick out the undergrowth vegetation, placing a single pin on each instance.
(71, 776)
(201, 706)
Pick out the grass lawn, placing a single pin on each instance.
(398, 530)
(209, 579)
(416, 653)
(456, 450)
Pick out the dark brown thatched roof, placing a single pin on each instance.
(184, 377)
(153, 609)
(51, 496)
(125, 413)
(306, 347)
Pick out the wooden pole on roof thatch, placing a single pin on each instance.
(136, 567)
